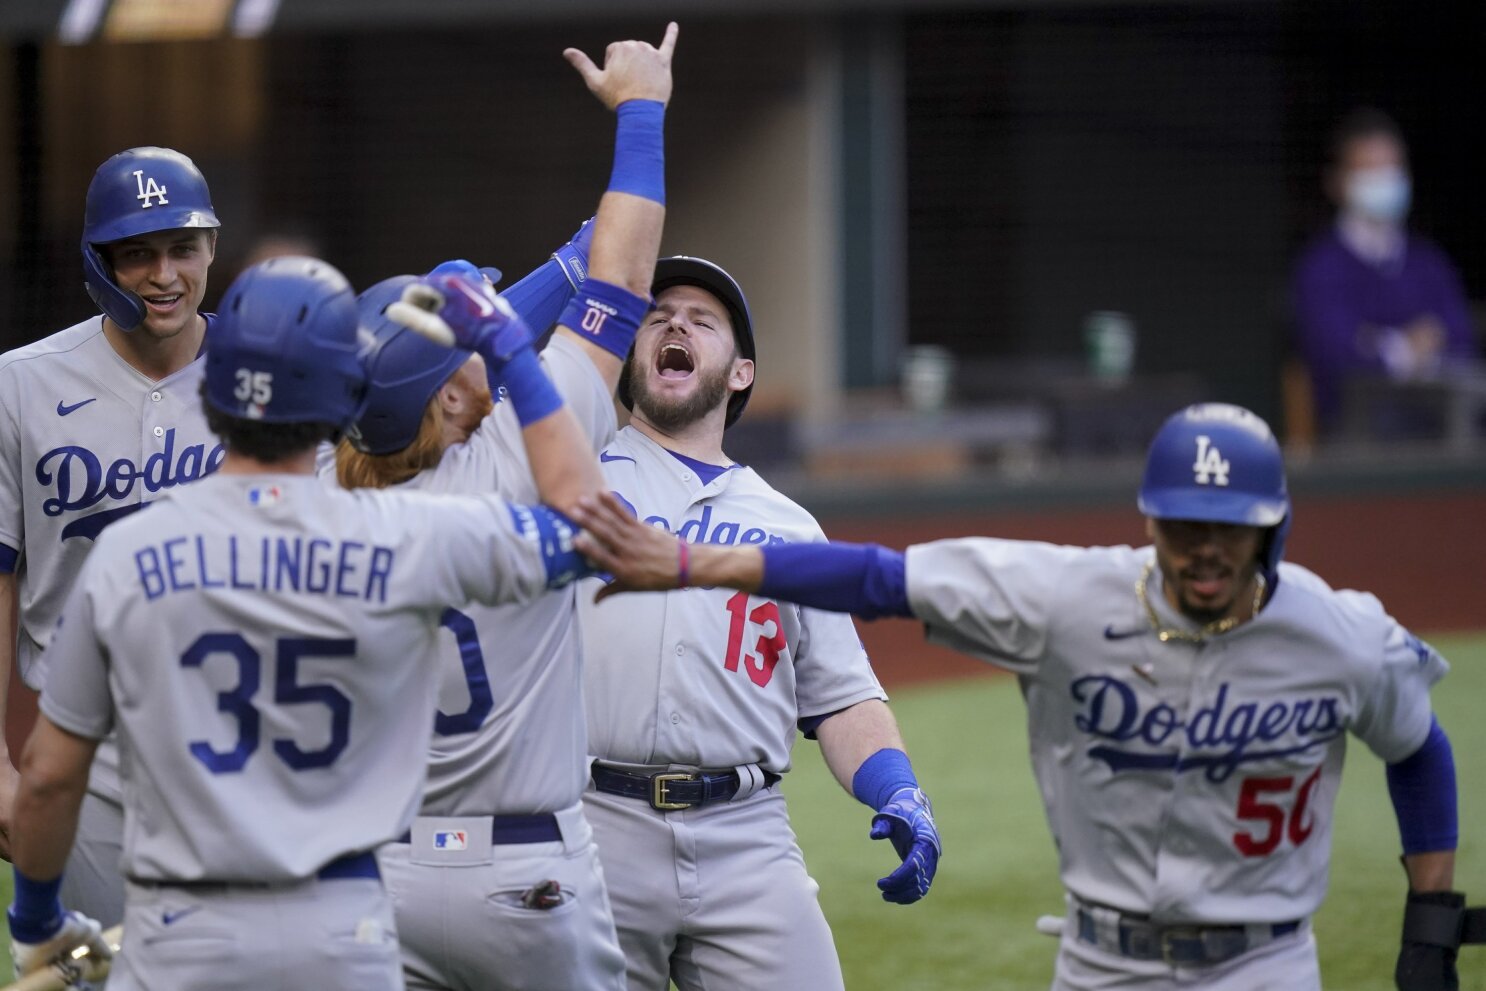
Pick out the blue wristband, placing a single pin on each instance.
(531, 392)
(37, 913)
(606, 315)
(882, 776)
(639, 150)
(553, 532)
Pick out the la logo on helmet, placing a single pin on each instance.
(1211, 467)
(149, 190)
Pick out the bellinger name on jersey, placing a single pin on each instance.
(346, 568)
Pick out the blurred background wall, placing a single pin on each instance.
(879, 175)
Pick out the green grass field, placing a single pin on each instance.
(975, 930)
(999, 872)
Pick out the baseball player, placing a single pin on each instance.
(498, 885)
(694, 698)
(1189, 704)
(257, 641)
(96, 421)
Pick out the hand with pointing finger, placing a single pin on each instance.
(633, 70)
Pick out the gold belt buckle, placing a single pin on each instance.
(658, 783)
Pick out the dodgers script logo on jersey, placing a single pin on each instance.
(1218, 738)
(703, 529)
(81, 480)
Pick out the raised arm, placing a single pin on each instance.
(634, 82)
(458, 311)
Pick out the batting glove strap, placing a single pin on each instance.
(907, 820)
(573, 256)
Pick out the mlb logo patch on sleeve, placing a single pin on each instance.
(451, 839)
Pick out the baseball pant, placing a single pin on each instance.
(91, 882)
(1286, 964)
(714, 897)
(474, 915)
(330, 935)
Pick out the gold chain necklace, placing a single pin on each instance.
(1167, 634)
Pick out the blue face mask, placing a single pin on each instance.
(1380, 194)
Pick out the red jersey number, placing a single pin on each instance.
(760, 664)
(1262, 801)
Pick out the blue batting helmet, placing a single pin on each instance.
(403, 371)
(284, 347)
(1219, 463)
(136, 192)
(683, 270)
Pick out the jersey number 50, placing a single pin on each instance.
(1297, 825)
(287, 690)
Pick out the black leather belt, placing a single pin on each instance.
(668, 791)
(1142, 939)
(352, 865)
(510, 829)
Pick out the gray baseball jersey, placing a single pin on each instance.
(715, 896)
(509, 675)
(709, 677)
(1192, 782)
(509, 739)
(86, 439)
(257, 642)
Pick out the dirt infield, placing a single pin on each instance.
(1421, 554)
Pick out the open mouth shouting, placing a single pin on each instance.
(674, 361)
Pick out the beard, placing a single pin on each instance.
(484, 405)
(673, 414)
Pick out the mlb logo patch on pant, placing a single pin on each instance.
(451, 839)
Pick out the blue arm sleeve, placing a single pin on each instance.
(540, 297)
(8, 557)
(1423, 791)
(864, 579)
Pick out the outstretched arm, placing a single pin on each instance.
(863, 579)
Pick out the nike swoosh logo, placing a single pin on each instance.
(1110, 633)
(606, 457)
(63, 409)
(170, 918)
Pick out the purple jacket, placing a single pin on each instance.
(1337, 294)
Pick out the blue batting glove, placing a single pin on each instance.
(459, 266)
(573, 256)
(908, 821)
(459, 312)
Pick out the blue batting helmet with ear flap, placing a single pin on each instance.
(403, 371)
(1219, 463)
(283, 349)
(139, 191)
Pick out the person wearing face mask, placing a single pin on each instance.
(1371, 297)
